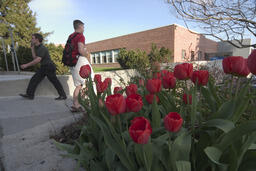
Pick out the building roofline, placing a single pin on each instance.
(131, 34)
(174, 24)
(187, 28)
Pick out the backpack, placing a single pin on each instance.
(67, 58)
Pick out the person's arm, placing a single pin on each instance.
(34, 62)
(81, 49)
(33, 52)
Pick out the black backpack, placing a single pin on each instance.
(67, 58)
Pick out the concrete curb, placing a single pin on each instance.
(21, 149)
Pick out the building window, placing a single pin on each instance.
(116, 52)
(93, 58)
(109, 56)
(97, 56)
(192, 55)
(200, 55)
(104, 57)
(183, 54)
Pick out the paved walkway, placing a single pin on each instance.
(25, 127)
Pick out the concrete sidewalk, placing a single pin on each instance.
(25, 127)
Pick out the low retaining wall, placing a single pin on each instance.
(11, 84)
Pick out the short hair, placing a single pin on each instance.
(38, 37)
(77, 23)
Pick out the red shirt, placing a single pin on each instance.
(78, 38)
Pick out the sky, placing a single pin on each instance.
(103, 18)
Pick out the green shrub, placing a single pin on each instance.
(24, 56)
(141, 61)
(56, 56)
(133, 59)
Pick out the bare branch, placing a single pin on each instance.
(223, 19)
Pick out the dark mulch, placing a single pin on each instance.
(70, 133)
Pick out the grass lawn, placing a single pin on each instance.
(97, 69)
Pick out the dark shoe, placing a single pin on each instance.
(75, 110)
(27, 96)
(61, 98)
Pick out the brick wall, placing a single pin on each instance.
(174, 37)
(162, 36)
(191, 42)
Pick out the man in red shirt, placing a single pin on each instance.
(79, 54)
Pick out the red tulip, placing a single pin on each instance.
(157, 75)
(134, 103)
(235, 65)
(187, 98)
(200, 77)
(154, 85)
(251, 62)
(115, 104)
(117, 90)
(85, 71)
(173, 122)
(97, 78)
(131, 89)
(101, 86)
(108, 80)
(183, 71)
(140, 130)
(150, 98)
(164, 72)
(169, 81)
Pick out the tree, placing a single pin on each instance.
(56, 56)
(18, 15)
(224, 20)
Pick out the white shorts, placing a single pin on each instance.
(78, 80)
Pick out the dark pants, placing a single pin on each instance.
(49, 71)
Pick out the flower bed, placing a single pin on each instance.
(154, 127)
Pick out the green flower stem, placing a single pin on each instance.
(193, 118)
(119, 123)
(231, 86)
(237, 86)
(174, 92)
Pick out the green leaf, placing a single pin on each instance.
(212, 90)
(183, 166)
(226, 110)
(139, 154)
(214, 155)
(248, 140)
(235, 134)
(65, 147)
(248, 163)
(209, 99)
(115, 145)
(109, 158)
(241, 106)
(252, 147)
(147, 148)
(224, 125)
(181, 148)
(156, 116)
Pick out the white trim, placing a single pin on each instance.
(100, 57)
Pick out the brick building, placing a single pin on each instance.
(186, 45)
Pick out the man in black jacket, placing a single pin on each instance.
(47, 68)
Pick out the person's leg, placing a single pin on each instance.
(76, 103)
(34, 81)
(51, 75)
